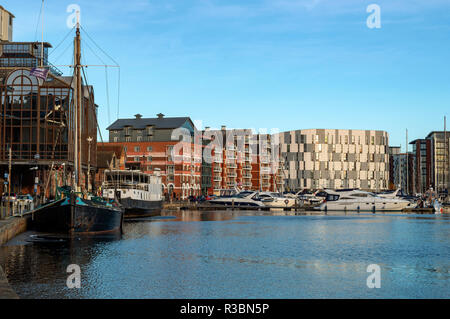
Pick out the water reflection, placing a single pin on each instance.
(232, 254)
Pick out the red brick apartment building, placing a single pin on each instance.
(151, 143)
(244, 160)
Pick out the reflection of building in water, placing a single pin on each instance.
(197, 216)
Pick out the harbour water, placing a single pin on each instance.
(235, 254)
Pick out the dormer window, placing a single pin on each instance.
(149, 130)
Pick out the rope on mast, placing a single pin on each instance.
(39, 19)
(62, 41)
(107, 93)
(93, 107)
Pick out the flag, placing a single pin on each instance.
(39, 73)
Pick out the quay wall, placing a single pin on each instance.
(9, 228)
(6, 292)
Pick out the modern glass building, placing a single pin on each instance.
(37, 119)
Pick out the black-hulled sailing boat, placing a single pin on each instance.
(72, 213)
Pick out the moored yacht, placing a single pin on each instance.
(139, 193)
(243, 199)
(272, 199)
(357, 200)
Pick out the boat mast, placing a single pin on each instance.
(407, 164)
(42, 38)
(77, 104)
(446, 155)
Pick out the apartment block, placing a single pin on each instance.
(328, 158)
(422, 151)
(6, 25)
(404, 171)
(242, 159)
(439, 142)
(151, 143)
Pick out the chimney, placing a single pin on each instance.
(160, 115)
(224, 128)
(138, 116)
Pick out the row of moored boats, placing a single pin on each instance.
(325, 200)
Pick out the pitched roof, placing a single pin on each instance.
(105, 153)
(142, 123)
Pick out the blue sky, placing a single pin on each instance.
(284, 64)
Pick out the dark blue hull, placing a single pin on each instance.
(141, 208)
(78, 217)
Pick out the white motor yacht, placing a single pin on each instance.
(357, 200)
(243, 199)
(276, 200)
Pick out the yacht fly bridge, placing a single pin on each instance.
(132, 184)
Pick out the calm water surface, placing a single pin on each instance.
(243, 255)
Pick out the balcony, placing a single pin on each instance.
(247, 184)
(217, 159)
(265, 176)
(231, 165)
(232, 175)
(265, 170)
(217, 169)
(247, 167)
(231, 157)
(217, 178)
(247, 176)
(264, 159)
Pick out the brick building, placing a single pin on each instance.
(242, 159)
(170, 144)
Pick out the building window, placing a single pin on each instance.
(137, 149)
(149, 158)
(149, 149)
(136, 158)
(139, 138)
(128, 139)
(115, 139)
